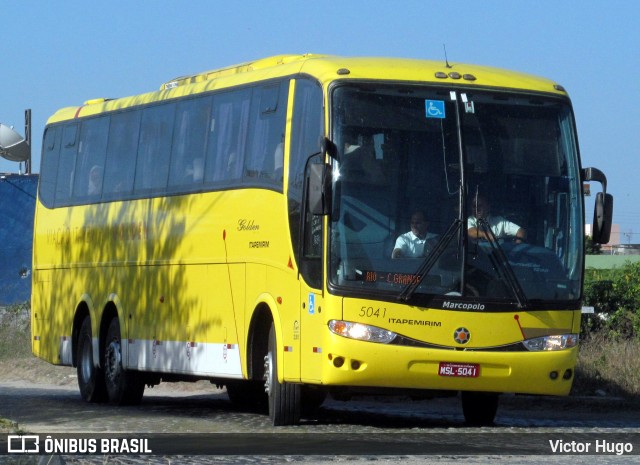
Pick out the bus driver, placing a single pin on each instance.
(500, 226)
(417, 242)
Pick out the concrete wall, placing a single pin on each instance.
(606, 262)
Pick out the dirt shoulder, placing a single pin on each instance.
(32, 370)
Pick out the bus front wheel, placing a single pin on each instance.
(90, 377)
(284, 398)
(124, 387)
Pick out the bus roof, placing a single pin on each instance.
(325, 68)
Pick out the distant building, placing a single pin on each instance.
(17, 206)
(625, 249)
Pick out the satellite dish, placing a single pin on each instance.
(13, 146)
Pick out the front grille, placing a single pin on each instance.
(406, 341)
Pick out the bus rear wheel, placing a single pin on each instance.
(124, 387)
(479, 408)
(284, 398)
(90, 377)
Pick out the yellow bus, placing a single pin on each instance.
(304, 225)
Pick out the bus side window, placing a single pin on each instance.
(49, 165)
(89, 168)
(154, 149)
(66, 165)
(227, 135)
(307, 127)
(189, 143)
(266, 150)
(120, 164)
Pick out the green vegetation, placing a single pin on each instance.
(8, 426)
(608, 367)
(615, 295)
(15, 329)
(610, 338)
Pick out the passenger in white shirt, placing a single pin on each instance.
(500, 226)
(417, 242)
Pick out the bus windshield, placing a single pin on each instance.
(466, 194)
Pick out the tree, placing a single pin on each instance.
(615, 295)
(590, 247)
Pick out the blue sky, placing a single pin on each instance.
(56, 54)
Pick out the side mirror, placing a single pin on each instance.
(603, 208)
(602, 218)
(594, 174)
(319, 188)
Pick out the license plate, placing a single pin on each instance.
(461, 370)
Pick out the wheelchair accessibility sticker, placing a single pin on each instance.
(434, 108)
(312, 304)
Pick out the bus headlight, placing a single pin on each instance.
(361, 332)
(557, 342)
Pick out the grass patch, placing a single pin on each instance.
(8, 426)
(608, 366)
(15, 332)
(16, 360)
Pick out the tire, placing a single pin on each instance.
(283, 398)
(124, 387)
(479, 408)
(90, 377)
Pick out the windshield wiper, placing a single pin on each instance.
(430, 260)
(502, 263)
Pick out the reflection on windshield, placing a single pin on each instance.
(401, 182)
